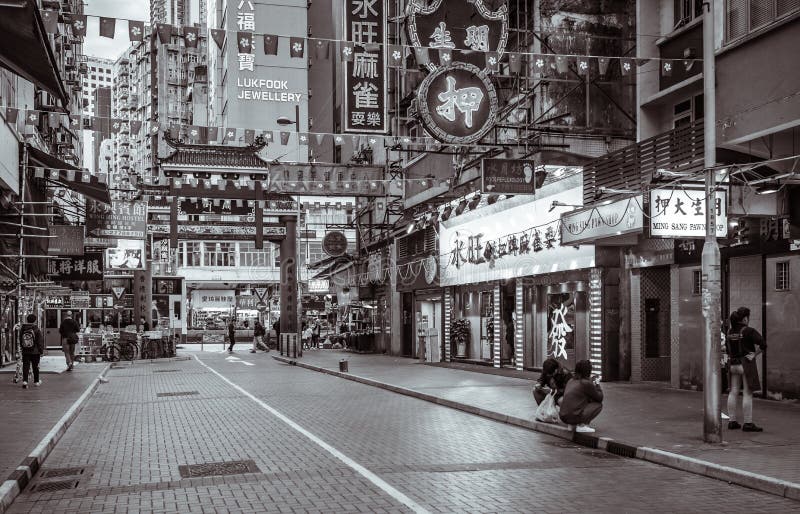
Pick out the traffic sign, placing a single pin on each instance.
(118, 290)
(261, 293)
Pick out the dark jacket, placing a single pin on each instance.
(231, 328)
(69, 330)
(557, 381)
(259, 330)
(578, 393)
(38, 345)
(742, 340)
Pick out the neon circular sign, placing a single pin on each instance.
(457, 103)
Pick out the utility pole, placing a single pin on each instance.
(711, 269)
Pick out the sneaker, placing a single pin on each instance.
(751, 427)
(24, 385)
(734, 425)
(252, 351)
(37, 384)
(586, 429)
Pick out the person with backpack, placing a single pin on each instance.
(741, 342)
(69, 338)
(32, 345)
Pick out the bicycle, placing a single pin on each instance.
(152, 349)
(115, 350)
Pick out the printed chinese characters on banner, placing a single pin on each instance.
(246, 22)
(365, 80)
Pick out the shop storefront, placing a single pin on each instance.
(514, 295)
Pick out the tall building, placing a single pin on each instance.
(98, 74)
(177, 12)
(254, 90)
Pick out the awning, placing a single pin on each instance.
(70, 176)
(25, 48)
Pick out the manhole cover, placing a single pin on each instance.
(165, 370)
(177, 393)
(210, 469)
(61, 472)
(57, 485)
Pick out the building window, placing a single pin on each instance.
(686, 11)
(697, 282)
(745, 16)
(782, 278)
(688, 111)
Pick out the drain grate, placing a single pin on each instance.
(599, 454)
(210, 469)
(621, 449)
(61, 472)
(177, 393)
(585, 440)
(57, 485)
(165, 370)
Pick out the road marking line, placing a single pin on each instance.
(369, 475)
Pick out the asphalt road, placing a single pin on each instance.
(311, 442)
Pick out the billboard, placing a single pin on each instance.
(127, 255)
(122, 219)
(365, 67)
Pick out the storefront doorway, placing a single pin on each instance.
(428, 341)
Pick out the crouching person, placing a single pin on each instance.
(583, 399)
(554, 378)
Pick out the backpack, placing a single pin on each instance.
(735, 346)
(28, 338)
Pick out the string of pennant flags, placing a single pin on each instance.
(202, 134)
(346, 50)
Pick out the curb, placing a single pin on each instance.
(21, 477)
(728, 474)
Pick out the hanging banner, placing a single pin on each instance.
(365, 71)
(126, 220)
(128, 255)
(85, 267)
(66, 240)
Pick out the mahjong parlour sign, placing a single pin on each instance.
(463, 39)
(365, 67)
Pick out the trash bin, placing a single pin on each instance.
(343, 366)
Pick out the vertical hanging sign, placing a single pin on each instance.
(365, 70)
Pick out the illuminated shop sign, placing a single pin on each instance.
(365, 86)
(522, 240)
(585, 226)
(681, 213)
(457, 103)
(467, 28)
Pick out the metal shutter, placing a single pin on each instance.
(736, 19)
(760, 13)
(787, 6)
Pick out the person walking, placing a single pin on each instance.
(307, 338)
(277, 328)
(315, 334)
(743, 344)
(258, 337)
(583, 399)
(231, 334)
(32, 344)
(69, 338)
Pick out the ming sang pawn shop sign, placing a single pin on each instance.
(681, 213)
(365, 29)
(457, 102)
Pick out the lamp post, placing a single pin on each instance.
(291, 247)
(711, 269)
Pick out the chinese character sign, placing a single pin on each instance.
(124, 220)
(85, 267)
(365, 73)
(467, 28)
(458, 103)
(681, 213)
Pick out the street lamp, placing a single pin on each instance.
(284, 121)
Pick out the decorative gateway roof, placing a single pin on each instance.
(215, 156)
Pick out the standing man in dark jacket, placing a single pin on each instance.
(231, 334)
(69, 338)
(32, 344)
(743, 344)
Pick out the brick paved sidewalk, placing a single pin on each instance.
(649, 415)
(29, 414)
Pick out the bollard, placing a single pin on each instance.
(343, 366)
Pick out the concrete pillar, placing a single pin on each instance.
(288, 254)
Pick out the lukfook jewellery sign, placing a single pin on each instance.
(266, 90)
